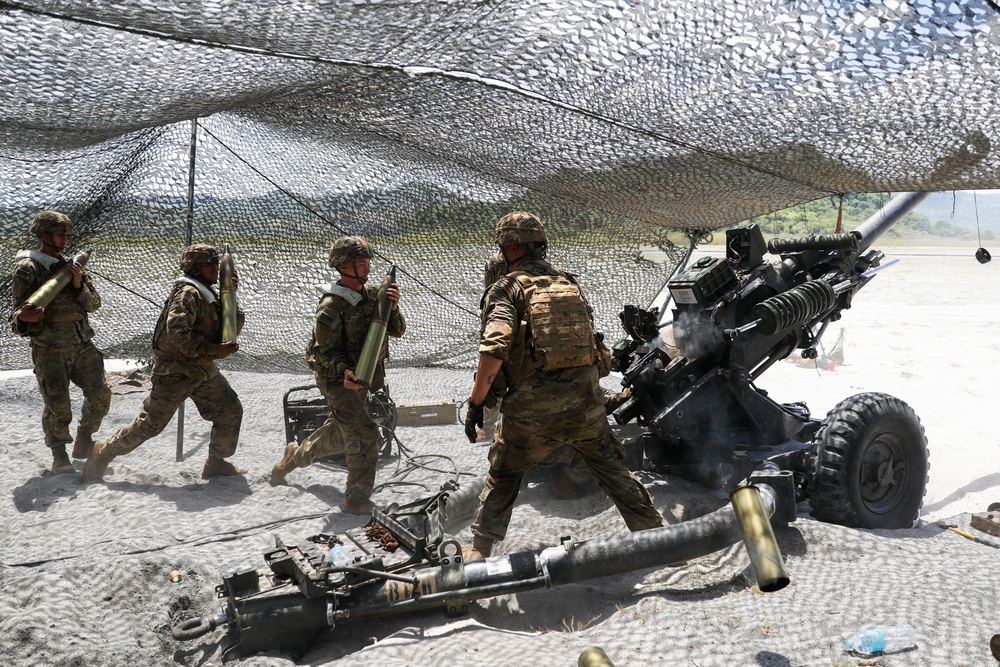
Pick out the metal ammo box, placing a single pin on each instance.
(305, 410)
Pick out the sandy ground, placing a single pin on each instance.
(84, 570)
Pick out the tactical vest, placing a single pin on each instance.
(355, 315)
(557, 330)
(207, 325)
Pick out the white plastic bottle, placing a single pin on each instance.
(881, 640)
(340, 556)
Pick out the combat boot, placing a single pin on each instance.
(216, 467)
(97, 463)
(363, 506)
(81, 448)
(286, 465)
(481, 548)
(60, 461)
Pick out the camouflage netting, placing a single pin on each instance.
(418, 124)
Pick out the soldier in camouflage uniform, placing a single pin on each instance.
(572, 476)
(60, 334)
(539, 345)
(573, 479)
(187, 343)
(342, 320)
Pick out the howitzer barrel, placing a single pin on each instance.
(874, 227)
(368, 359)
(227, 295)
(51, 288)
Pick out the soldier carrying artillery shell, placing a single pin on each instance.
(52, 299)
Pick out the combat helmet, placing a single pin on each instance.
(519, 227)
(51, 221)
(197, 254)
(346, 249)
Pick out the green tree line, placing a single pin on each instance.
(820, 217)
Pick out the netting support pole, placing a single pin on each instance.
(187, 241)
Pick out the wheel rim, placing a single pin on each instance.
(883, 474)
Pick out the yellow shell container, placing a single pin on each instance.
(227, 295)
(48, 291)
(368, 360)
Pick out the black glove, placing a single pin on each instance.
(473, 420)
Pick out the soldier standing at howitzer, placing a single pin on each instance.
(60, 334)
(343, 318)
(186, 342)
(573, 478)
(538, 340)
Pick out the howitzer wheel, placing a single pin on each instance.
(869, 464)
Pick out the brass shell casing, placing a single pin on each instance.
(227, 295)
(364, 370)
(48, 290)
(765, 557)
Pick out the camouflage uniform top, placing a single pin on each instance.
(545, 392)
(187, 335)
(65, 321)
(341, 329)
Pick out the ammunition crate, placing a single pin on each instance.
(704, 283)
(305, 410)
(988, 522)
(426, 412)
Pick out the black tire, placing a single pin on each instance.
(869, 464)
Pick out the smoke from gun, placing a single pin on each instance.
(696, 335)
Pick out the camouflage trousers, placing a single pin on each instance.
(570, 464)
(216, 402)
(519, 445)
(350, 431)
(55, 367)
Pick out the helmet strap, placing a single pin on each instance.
(353, 276)
(513, 262)
(48, 247)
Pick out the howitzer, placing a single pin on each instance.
(401, 562)
(51, 288)
(864, 465)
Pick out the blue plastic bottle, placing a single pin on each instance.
(340, 556)
(881, 640)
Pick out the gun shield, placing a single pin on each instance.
(227, 295)
(48, 291)
(369, 358)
